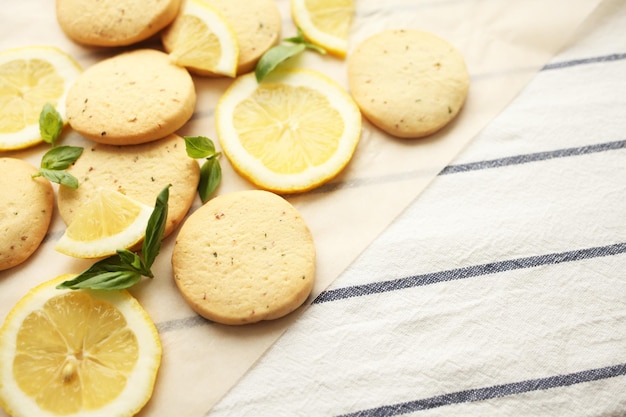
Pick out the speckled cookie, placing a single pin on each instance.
(114, 22)
(138, 171)
(132, 98)
(257, 24)
(408, 83)
(26, 206)
(244, 257)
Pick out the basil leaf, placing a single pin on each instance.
(210, 177)
(274, 56)
(300, 39)
(61, 157)
(132, 260)
(155, 229)
(60, 177)
(109, 273)
(114, 280)
(199, 146)
(50, 123)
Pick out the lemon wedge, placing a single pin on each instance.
(202, 40)
(29, 78)
(325, 23)
(290, 133)
(77, 353)
(108, 222)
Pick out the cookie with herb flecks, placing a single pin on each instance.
(26, 206)
(114, 22)
(134, 97)
(409, 83)
(138, 171)
(244, 257)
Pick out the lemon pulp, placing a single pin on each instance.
(75, 353)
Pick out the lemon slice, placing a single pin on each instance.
(77, 353)
(29, 78)
(291, 133)
(202, 40)
(108, 222)
(325, 23)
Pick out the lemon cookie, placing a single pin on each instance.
(139, 171)
(26, 205)
(135, 97)
(114, 22)
(244, 257)
(409, 83)
(257, 24)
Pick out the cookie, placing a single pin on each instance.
(114, 22)
(132, 98)
(257, 24)
(138, 171)
(26, 206)
(244, 257)
(409, 83)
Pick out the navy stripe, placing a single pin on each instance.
(584, 61)
(467, 272)
(496, 391)
(534, 157)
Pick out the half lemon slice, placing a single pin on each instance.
(202, 40)
(108, 222)
(325, 23)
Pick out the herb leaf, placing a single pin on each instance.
(155, 230)
(61, 157)
(211, 171)
(60, 177)
(274, 56)
(280, 53)
(50, 124)
(210, 177)
(199, 146)
(125, 268)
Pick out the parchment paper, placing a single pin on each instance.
(504, 43)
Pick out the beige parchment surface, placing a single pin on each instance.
(504, 43)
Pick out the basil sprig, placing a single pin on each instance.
(211, 171)
(280, 53)
(126, 268)
(59, 158)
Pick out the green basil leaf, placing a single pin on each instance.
(199, 146)
(59, 177)
(109, 273)
(274, 56)
(61, 157)
(210, 178)
(132, 260)
(155, 229)
(300, 39)
(114, 280)
(50, 124)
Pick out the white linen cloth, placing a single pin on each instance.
(501, 290)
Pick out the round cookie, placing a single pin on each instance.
(408, 83)
(27, 204)
(114, 22)
(134, 97)
(257, 24)
(138, 171)
(244, 257)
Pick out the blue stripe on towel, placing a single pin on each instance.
(468, 272)
(495, 391)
